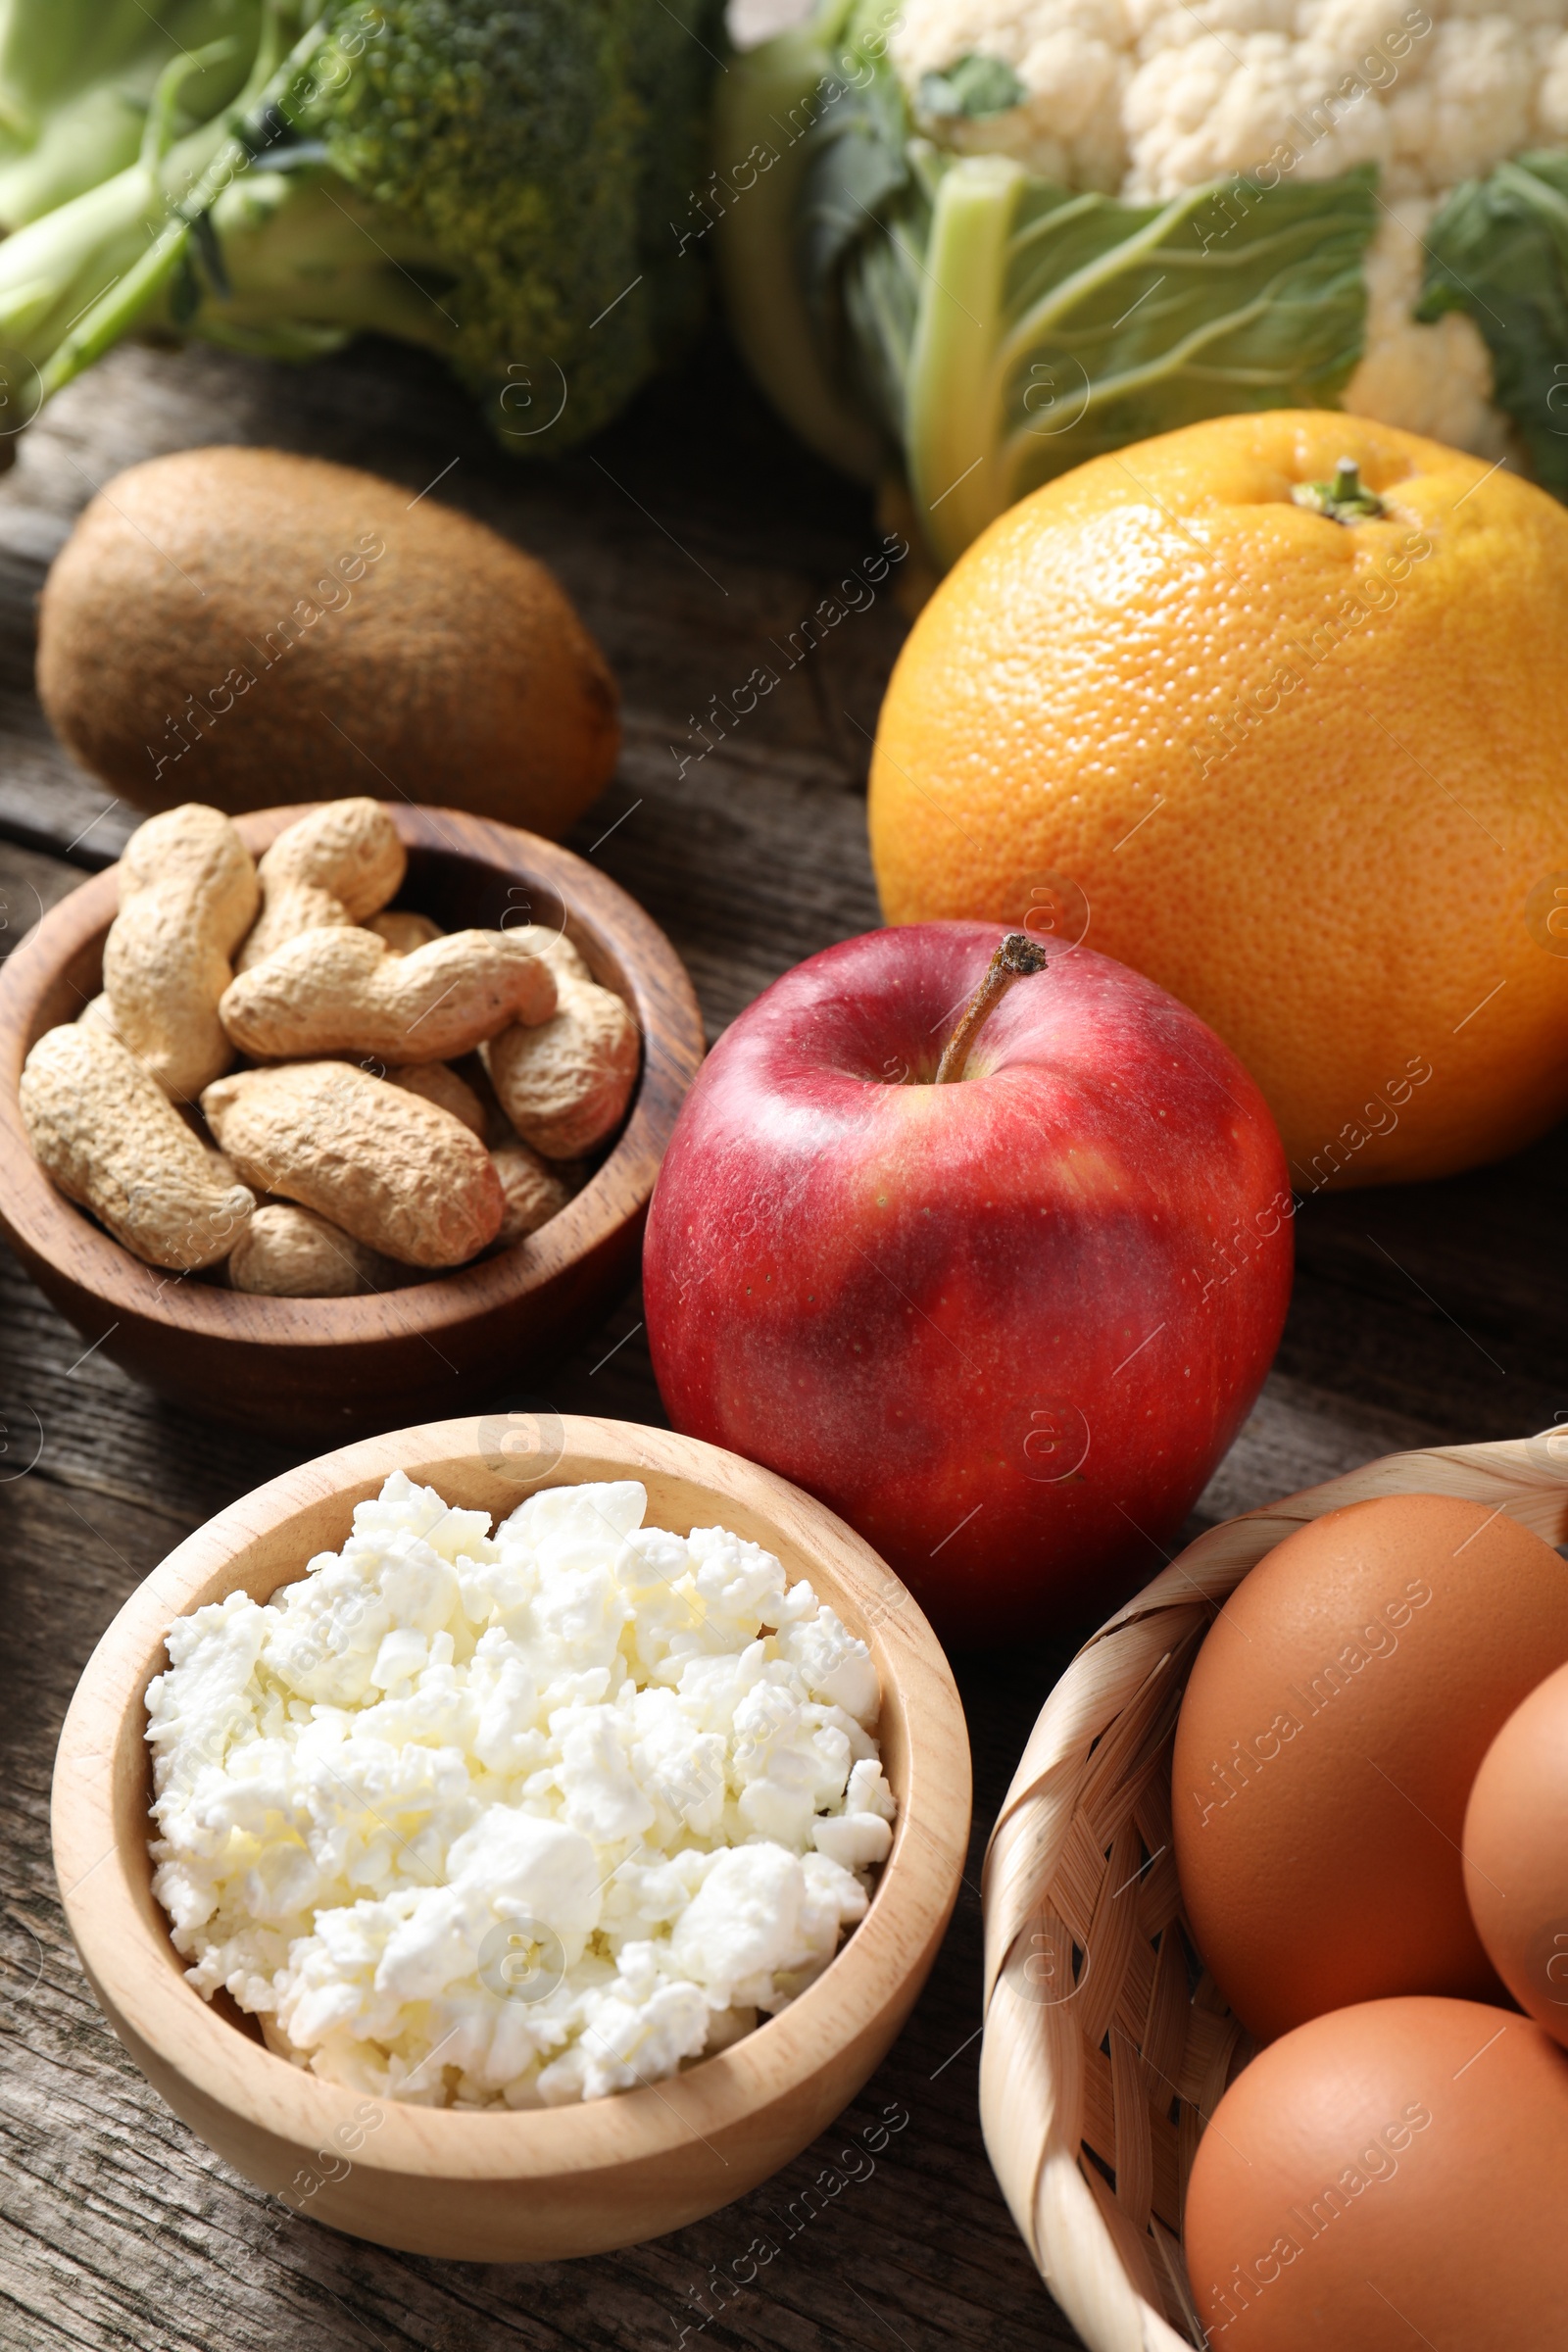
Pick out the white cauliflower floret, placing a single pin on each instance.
(1148, 98)
(1074, 70)
(1430, 380)
(1551, 98)
(1468, 107)
(1201, 109)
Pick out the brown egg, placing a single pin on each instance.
(1388, 2176)
(1333, 1724)
(1516, 1853)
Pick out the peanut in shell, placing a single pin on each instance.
(344, 992)
(187, 895)
(535, 1192)
(334, 868)
(441, 1085)
(114, 1143)
(403, 930)
(565, 1084)
(290, 1252)
(391, 1169)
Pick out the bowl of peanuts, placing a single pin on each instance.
(325, 1117)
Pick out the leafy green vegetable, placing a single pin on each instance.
(976, 86)
(1499, 252)
(76, 80)
(993, 329)
(492, 179)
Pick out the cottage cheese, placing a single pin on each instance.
(473, 1820)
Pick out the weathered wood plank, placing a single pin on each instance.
(760, 534)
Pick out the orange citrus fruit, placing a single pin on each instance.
(1306, 769)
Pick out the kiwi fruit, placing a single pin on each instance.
(241, 627)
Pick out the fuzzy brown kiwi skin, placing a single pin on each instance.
(451, 662)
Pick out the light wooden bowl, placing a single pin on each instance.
(333, 1366)
(495, 2186)
(1100, 2068)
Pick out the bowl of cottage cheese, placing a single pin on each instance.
(510, 1852)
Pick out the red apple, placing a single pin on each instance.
(1004, 1325)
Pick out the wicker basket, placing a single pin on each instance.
(1102, 2056)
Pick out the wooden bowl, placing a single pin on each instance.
(333, 1366)
(495, 2186)
(1101, 2061)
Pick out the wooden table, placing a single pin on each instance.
(695, 537)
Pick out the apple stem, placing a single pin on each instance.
(1016, 955)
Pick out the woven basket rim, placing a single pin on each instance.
(1074, 1818)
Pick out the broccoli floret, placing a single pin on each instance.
(528, 143)
(491, 179)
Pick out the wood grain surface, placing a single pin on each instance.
(695, 538)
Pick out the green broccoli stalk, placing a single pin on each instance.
(982, 326)
(76, 79)
(490, 178)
